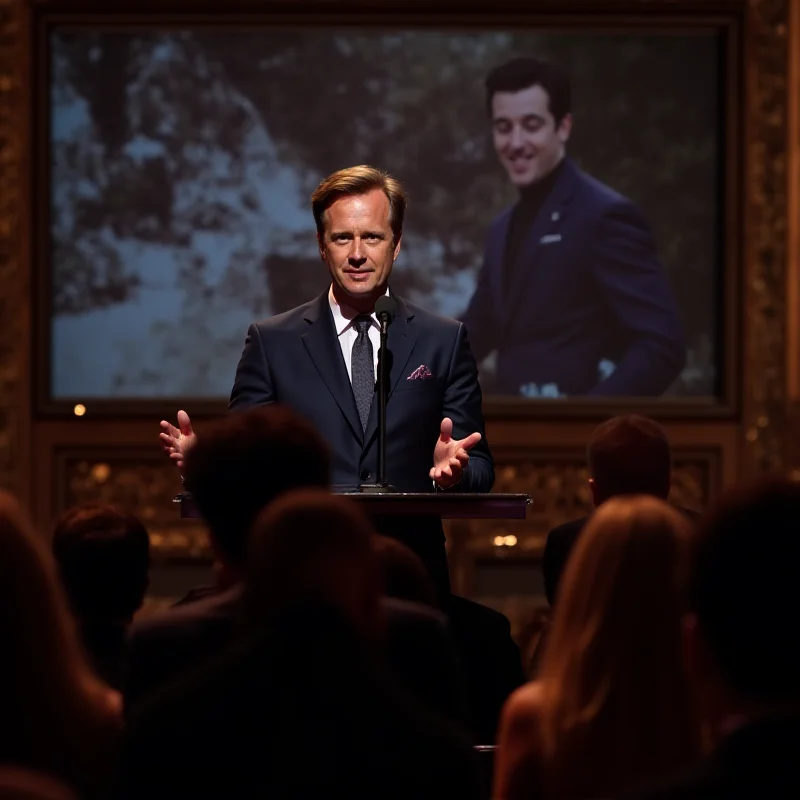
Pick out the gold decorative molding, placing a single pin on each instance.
(793, 212)
(143, 486)
(13, 267)
(766, 424)
(560, 492)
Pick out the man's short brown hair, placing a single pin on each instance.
(630, 455)
(355, 181)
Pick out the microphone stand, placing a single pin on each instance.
(380, 486)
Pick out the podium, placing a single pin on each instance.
(447, 505)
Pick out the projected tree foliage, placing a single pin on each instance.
(182, 163)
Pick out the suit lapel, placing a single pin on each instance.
(400, 343)
(322, 345)
(548, 222)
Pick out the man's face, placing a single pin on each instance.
(526, 138)
(357, 246)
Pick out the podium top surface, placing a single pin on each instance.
(447, 505)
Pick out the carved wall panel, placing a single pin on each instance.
(765, 402)
(560, 492)
(145, 485)
(142, 484)
(14, 269)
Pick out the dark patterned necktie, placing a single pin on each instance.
(362, 368)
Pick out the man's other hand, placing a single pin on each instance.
(177, 441)
(450, 456)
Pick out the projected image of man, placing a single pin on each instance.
(571, 298)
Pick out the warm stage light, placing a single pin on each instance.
(79, 410)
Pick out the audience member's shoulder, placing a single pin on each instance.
(408, 611)
(195, 594)
(220, 605)
(479, 615)
(567, 530)
(696, 782)
(693, 515)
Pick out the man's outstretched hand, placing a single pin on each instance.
(177, 441)
(450, 456)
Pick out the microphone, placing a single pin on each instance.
(386, 311)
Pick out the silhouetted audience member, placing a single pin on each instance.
(626, 455)
(243, 464)
(304, 707)
(236, 469)
(103, 558)
(740, 650)
(489, 656)
(403, 574)
(56, 716)
(612, 706)
(417, 639)
(17, 783)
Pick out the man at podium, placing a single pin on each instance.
(322, 360)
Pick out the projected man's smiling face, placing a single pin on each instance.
(526, 138)
(358, 246)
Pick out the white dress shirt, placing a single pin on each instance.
(343, 317)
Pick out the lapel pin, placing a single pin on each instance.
(555, 216)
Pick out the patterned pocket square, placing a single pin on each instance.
(420, 372)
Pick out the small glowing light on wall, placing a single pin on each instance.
(79, 410)
(505, 541)
(100, 472)
(499, 541)
(511, 541)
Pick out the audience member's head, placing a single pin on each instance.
(56, 713)
(629, 455)
(403, 573)
(103, 558)
(309, 546)
(18, 783)
(744, 603)
(242, 464)
(615, 697)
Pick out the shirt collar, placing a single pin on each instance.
(343, 315)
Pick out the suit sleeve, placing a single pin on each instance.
(252, 385)
(462, 403)
(479, 317)
(634, 286)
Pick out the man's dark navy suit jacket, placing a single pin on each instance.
(295, 359)
(588, 286)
